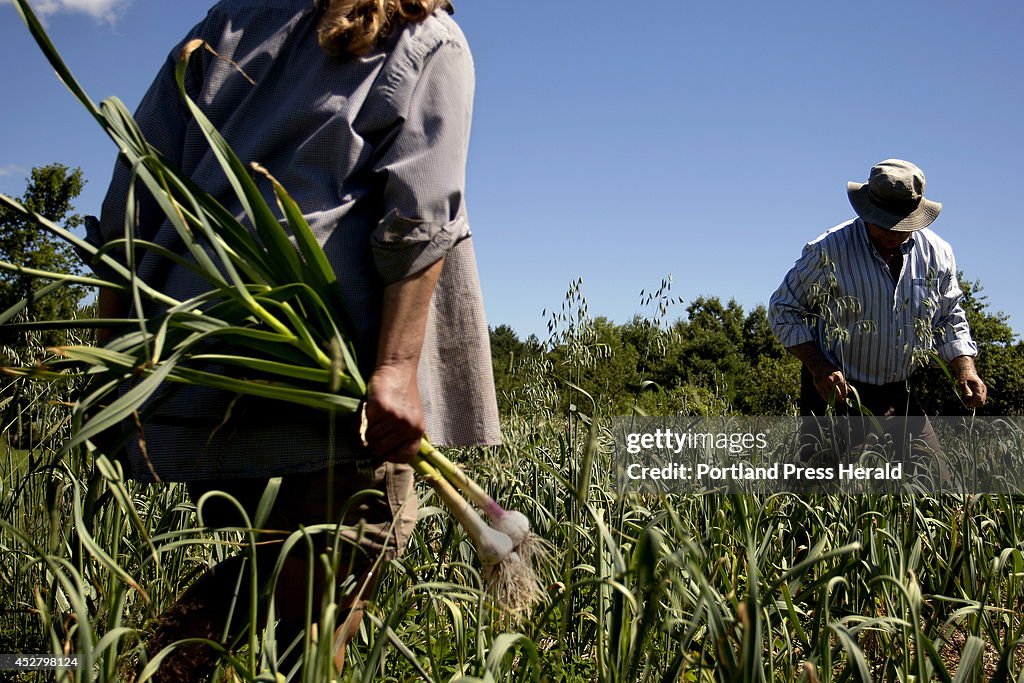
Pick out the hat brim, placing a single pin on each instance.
(921, 217)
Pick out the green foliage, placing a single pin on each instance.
(717, 360)
(508, 354)
(987, 327)
(50, 192)
(720, 359)
(640, 588)
(1000, 362)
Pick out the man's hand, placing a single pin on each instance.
(828, 379)
(972, 389)
(394, 413)
(830, 382)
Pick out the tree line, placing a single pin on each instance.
(720, 359)
(716, 359)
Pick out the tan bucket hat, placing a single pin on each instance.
(893, 197)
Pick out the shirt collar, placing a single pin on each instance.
(862, 230)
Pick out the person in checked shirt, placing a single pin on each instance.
(362, 109)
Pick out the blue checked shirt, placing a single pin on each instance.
(373, 149)
(841, 295)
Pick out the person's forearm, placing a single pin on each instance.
(962, 365)
(404, 318)
(828, 379)
(812, 357)
(395, 422)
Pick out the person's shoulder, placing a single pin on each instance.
(934, 245)
(836, 237)
(416, 43)
(931, 238)
(836, 233)
(436, 30)
(413, 47)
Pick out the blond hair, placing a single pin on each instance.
(356, 26)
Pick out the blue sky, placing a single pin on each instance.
(623, 142)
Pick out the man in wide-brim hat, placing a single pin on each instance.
(870, 299)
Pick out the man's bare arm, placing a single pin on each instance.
(828, 379)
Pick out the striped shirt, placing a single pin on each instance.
(841, 295)
(373, 149)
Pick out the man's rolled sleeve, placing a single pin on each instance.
(424, 166)
(788, 312)
(952, 331)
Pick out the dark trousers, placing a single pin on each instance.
(876, 414)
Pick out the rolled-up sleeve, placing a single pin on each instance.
(424, 168)
(788, 309)
(952, 331)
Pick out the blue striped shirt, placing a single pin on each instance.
(841, 295)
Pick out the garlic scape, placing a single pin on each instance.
(512, 523)
(506, 548)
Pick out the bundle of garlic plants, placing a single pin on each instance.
(273, 310)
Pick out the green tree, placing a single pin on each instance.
(614, 381)
(987, 327)
(1000, 362)
(508, 356)
(772, 386)
(708, 352)
(50, 192)
(718, 360)
(759, 341)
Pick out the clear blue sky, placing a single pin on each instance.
(622, 142)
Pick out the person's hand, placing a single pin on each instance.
(394, 413)
(973, 391)
(830, 381)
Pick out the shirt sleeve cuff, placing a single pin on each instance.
(794, 335)
(404, 246)
(957, 348)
